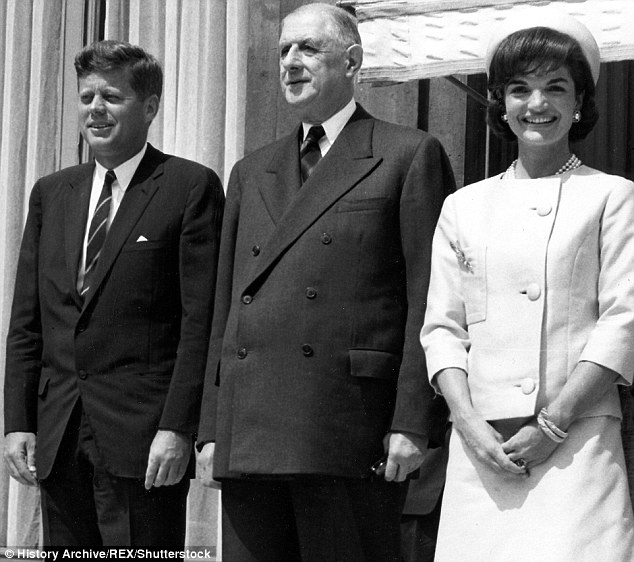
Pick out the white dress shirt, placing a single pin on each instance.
(124, 173)
(332, 126)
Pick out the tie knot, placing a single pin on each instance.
(110, 178)
(312, 138)
(315, 133)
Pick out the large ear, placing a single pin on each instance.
(355, 59)
(151, 107)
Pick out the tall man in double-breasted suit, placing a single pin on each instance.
(111, 317)
(314, 351)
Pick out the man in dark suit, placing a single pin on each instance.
(315, 362)
(110, 323)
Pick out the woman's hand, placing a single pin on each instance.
(531, 444)
(486, 444)
(478, 435)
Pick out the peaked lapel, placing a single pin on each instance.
(282, 179)
(348, 161)
(75, 219)
(142, 187)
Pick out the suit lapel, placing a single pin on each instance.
(139, 193)
(75, 220)
(282, 178)
(348, 161)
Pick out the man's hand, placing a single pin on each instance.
(204, 464)
(168, 459)
(405, 454)
(19, 454)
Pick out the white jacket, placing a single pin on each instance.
(529, 277)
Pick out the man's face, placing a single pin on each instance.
(315, 73)
(113, 120)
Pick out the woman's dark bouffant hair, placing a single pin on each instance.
(539, 49)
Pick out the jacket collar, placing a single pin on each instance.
(139, 193)
(349, 160)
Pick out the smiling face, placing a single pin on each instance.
(113, 120)
(540, 108)
(316, 71)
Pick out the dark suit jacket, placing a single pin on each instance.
(135, 350)
(320, 301)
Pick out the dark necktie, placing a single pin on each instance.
(309, 153)
(97, 231)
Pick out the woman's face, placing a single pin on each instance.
(540, 108)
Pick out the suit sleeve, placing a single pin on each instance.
(428, 181)
(24, 339)
(444, 336)
(224, 288)
(198, 260)
(610, 342)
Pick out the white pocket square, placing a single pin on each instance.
(141, 238)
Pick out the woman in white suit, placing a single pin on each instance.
(530, 321)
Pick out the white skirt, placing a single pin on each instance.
(575, 507)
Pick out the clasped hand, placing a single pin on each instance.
(486, 444)
(529, 443)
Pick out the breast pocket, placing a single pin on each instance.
(474, 283)
(358, 205)
(146, 246)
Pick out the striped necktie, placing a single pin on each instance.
(309, 153)
(98, 231)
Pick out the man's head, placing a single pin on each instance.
(320, 56)
(119, 93)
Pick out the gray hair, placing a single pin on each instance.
(344, 25)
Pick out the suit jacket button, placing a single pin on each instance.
(544, 210)
(533, 292)
(255, 250)
(326, 238)
(527, 385)
(307, 350)
(247, 299)
(311, 293)
(242, 353)
(83, 374)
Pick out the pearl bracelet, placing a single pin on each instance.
(549, 428)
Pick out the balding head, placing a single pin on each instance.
(320, 56)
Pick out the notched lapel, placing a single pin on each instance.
(142, 188)
(348, 162)
(75, 220)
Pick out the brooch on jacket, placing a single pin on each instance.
(462, 259)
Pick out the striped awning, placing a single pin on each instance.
(413, 39)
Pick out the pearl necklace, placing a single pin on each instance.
(571, 164)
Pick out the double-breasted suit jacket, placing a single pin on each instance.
(320, 298)
(134, 349)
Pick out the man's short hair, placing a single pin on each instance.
(344, 24)
(146, 74)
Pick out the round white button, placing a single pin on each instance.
(533, 292)
(527, 385)
(544, 210)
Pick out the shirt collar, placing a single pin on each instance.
(124, 172)
(335, 124)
